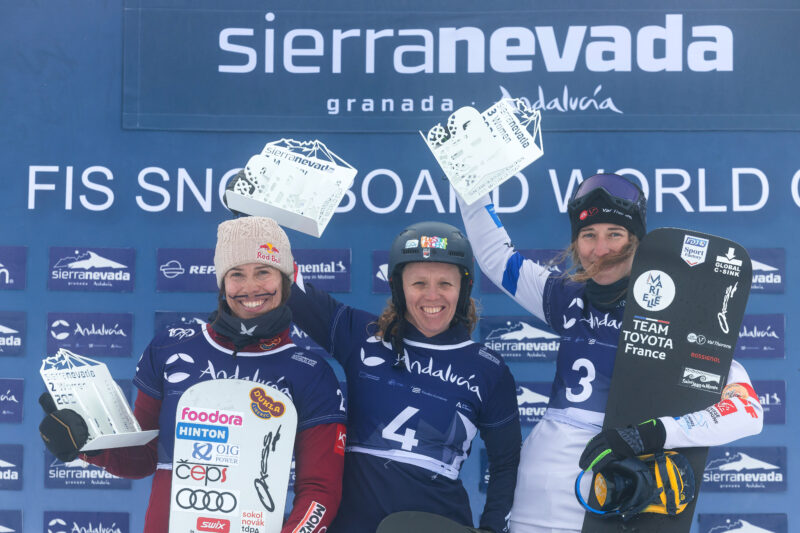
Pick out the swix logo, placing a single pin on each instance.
(217, 525)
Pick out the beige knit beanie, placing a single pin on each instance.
(252, 240)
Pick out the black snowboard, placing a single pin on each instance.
(419, 522)
(676, 345)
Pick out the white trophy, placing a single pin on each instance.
(479, 151)
(234, 441)
(299, 184)
(86, 386)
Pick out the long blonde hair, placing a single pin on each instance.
(576, 271)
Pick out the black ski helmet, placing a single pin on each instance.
(608, 198)
(434, 242)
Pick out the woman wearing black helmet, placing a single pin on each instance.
(419, 389)
(607, 214)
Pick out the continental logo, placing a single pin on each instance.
(263, 406)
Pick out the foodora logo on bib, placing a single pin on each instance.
(264, 406)
(654, 290)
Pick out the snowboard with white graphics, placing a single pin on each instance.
(233, 451)
(686, 300)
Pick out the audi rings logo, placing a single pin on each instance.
(213, 501)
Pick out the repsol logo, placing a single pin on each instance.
(662, 47)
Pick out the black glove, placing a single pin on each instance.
(619, 443)
(63, 431)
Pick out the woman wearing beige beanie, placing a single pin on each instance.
(419, 389)
(246, 338)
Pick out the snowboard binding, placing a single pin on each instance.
(662, 483)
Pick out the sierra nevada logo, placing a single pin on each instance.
(12, 332)
(746, 469)
(532, 401)
(79, 474)
(98, 269)
(517, 338)
(743, 523)
(769, 270)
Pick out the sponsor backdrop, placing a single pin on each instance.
(122, 123)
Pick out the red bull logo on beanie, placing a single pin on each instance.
(268, 252)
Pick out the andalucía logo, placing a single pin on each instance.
(92, 269)
(769, 270)
(541, 257)
(186, 270)
(12, 332)
(85, 522)
(91, 334)
(10, 466)
(326, 269)
(743, 523)
(753, 469)
(532, 398)
(762, 337)
(772, 396)
(519, 338)
(380, 272)
(11, 399)
(78, 475)
(11, 521)
(12, 266)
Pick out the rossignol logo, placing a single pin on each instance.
(694, 250)
(311, 519)
(96, 269)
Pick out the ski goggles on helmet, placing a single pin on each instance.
(608, 198)
(663, 483)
